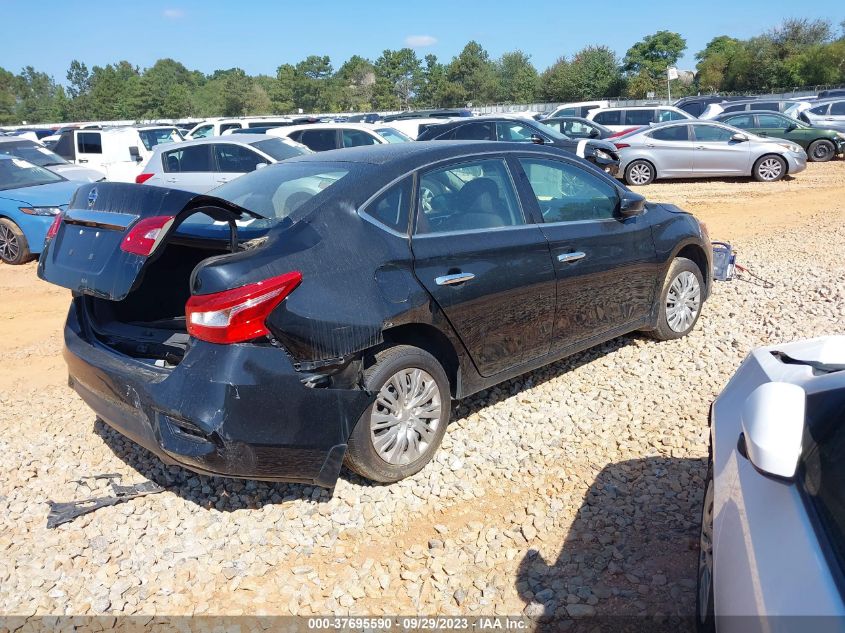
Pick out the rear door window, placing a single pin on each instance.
(674, 133)
(771, 121)
(89, 143)
(733, 108)
(744, 121)
(392, 207)
(319, 140)
(235, 159)
(837, 108)
(468, 196)
(639, 117)
(481, 131)
(765, 105)
(822, 109)
(195, 158)
(608, 117)
(230, 126)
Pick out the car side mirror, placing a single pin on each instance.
(260, 165)
(773, 425)
(134, 154)
(594, 133)
(631, 204)
(791, 127)
(739, 138)
(537, 139)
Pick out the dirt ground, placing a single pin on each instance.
(32, 312)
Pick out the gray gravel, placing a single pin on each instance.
(574, 489)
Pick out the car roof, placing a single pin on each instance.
(322, 126)
(243, 139)
(646, 107)
(18, 139)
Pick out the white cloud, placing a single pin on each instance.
(420, 41)
(173, 14)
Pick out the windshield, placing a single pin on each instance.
(16, 173)
(279, 149)
(392, 136)
(31, 152)
(275, 192)
(151, 138)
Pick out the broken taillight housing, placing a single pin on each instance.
(144, 236)
(54, 227)
(238, 315)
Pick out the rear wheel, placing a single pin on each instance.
(821, 151)
(639, 172)
(769, 168)
(400, 432)
(680, 300)
(14, 248)
(705, 610)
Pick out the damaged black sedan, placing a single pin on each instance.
(330, 308)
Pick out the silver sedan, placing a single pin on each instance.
(703, 149)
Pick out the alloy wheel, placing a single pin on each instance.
(9, 246)
(405, 416)
(683, 301)
(770, 169)
(705, 555)
(640, 174)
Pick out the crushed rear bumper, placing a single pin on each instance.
(231, 410)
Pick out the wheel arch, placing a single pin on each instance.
(766, 155)
(645, 159)
(429, 338)
(695, 253)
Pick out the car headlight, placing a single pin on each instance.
(40, 210)
(600, 153)
(792, 147)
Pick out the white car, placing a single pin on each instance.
(577, 108)
(37, 154)
(207, 163)
(773, 523)
(216, 127)
(624, 118)
(325, 136)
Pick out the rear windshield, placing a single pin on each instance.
(31, 152)
(16, 173)
(277, 191)
(151, 138)
(279, 149)
(392, 135)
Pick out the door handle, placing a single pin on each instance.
(565, 258)
(82, 160)
(450, 280)
(700, 147)
(650, 145)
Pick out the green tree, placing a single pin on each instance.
(432, 80)
(398, 75)
(596, 73)
(470, 77)
(116, 93)
(79, 79)
(8, 97)
(313, 89)
(517, 78)
(356, 81)
(36, 92)
(648, 59)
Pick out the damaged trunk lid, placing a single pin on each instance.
(111, 232)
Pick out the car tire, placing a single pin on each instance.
(389, 442)
(821, 151)
(680, 300)
(14, 248)
(769, 168)
(705, 612)
(640, 173)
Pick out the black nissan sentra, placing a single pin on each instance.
(330, 308)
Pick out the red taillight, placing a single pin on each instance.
(142, 178)
(143, 237)
(621, 145)
(238, 315)
(54, 227)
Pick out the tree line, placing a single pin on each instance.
(799, 52)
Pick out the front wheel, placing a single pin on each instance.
(680, 300)
(400, 432)
(769, 168)
(704, 608)
(13, 245)
(821, 151)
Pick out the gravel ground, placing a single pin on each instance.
(574, 489)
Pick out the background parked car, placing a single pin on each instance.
(820, 144)
(774, 105)
(578, 127)
(619, 119)
(494, 286)
(830, 114)
(773, 524)
(216, 127)
(39, 155)
(30, 198)
(702, 149)
(578, 108)
(320, 137)
(412, 127)
(207, 163)
(523, 130)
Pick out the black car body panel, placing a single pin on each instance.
(602, 154)
(281, 407)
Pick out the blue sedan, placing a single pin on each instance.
(30, 198)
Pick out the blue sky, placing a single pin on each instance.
(259, 36)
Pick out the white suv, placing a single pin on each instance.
(773, 525)
(618, 119)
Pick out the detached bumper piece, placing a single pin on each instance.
(68, 511)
